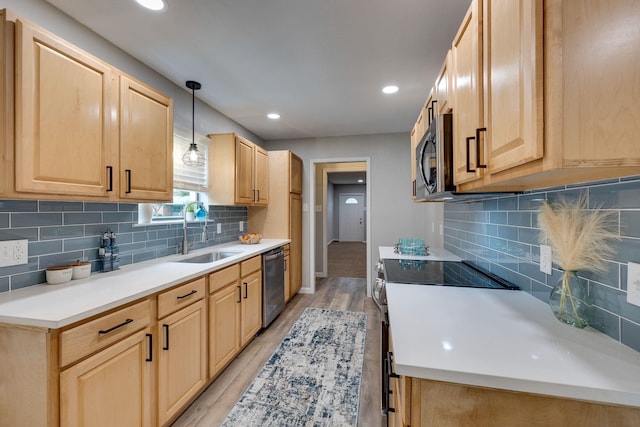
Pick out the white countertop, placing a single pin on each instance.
(506, 340)
(435, 254)
(55, 306)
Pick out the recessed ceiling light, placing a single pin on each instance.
(361, 180)
(273, 116)
(156, 5)
(390, 89)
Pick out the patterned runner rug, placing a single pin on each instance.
(313, 377)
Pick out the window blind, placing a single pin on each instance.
(187, 177)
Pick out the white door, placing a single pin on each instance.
(351, 218)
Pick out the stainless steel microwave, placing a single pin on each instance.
(434, 160)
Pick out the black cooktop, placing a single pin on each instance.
(443, 273)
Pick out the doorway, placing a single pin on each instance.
(323, 208)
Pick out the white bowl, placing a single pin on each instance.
(59, 275)
(81, 269)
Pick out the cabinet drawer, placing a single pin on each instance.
(179, 297)
(85, 339)
(250, 265)
(222, 278)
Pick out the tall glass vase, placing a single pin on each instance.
(569, 300)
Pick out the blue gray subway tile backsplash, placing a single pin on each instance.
(62, 232)
(501, 234)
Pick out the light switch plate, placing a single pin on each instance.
(218, 228)
(241, 225)
(633, 283)
(545, 259)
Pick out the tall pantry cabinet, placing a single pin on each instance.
(283, 217)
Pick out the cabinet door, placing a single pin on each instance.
(63, 117)
(512, 37)
(467, 89)
(295, 234)
(224, 327)
(146, 143)
(182, 358)
(261, 171)
(251, 306)
(244, 193)
(443, 86)
(111, 388)
(295, 174)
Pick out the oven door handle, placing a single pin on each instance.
(376, 292)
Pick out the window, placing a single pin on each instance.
(189, 184)
(351, 201)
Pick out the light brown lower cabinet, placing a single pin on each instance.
(224, 318)
(182, 350)
(235, 311)
(112, 387)
(442, 404)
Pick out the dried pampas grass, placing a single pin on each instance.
(580, 238)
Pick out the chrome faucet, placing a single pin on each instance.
(205, 234)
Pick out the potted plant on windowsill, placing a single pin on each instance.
(191, 212)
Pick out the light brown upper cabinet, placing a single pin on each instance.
(64, 130)
(238, 171)
(442, 88)
(83, 129)
(497, 86)
(146, 142)
(521, 123)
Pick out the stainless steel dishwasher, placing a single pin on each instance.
(272, 285)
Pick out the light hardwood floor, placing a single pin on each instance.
(216, 401)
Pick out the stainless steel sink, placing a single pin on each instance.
(209, 257)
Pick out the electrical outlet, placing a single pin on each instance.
(14, 252)
(241, 226)
(545, 259)
(218, 228)
(633, 283)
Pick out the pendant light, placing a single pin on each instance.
(193, 157)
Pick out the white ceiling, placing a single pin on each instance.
(321, 64)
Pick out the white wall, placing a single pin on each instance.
(207, 119)
(393, 214)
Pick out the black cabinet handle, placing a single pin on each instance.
(110, 178)
(106, 331)
(246, 290)
(429, 115)
(254, 194)
(239, 295)
(127, 173)
(390, 373)
(433, 109)
(469, 138)
(478, 130)
(187, 295)
(413, 191)
(258, 199)
(166, 337)
(285, 265)
(150, 358)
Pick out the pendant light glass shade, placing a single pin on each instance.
(193, 157)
